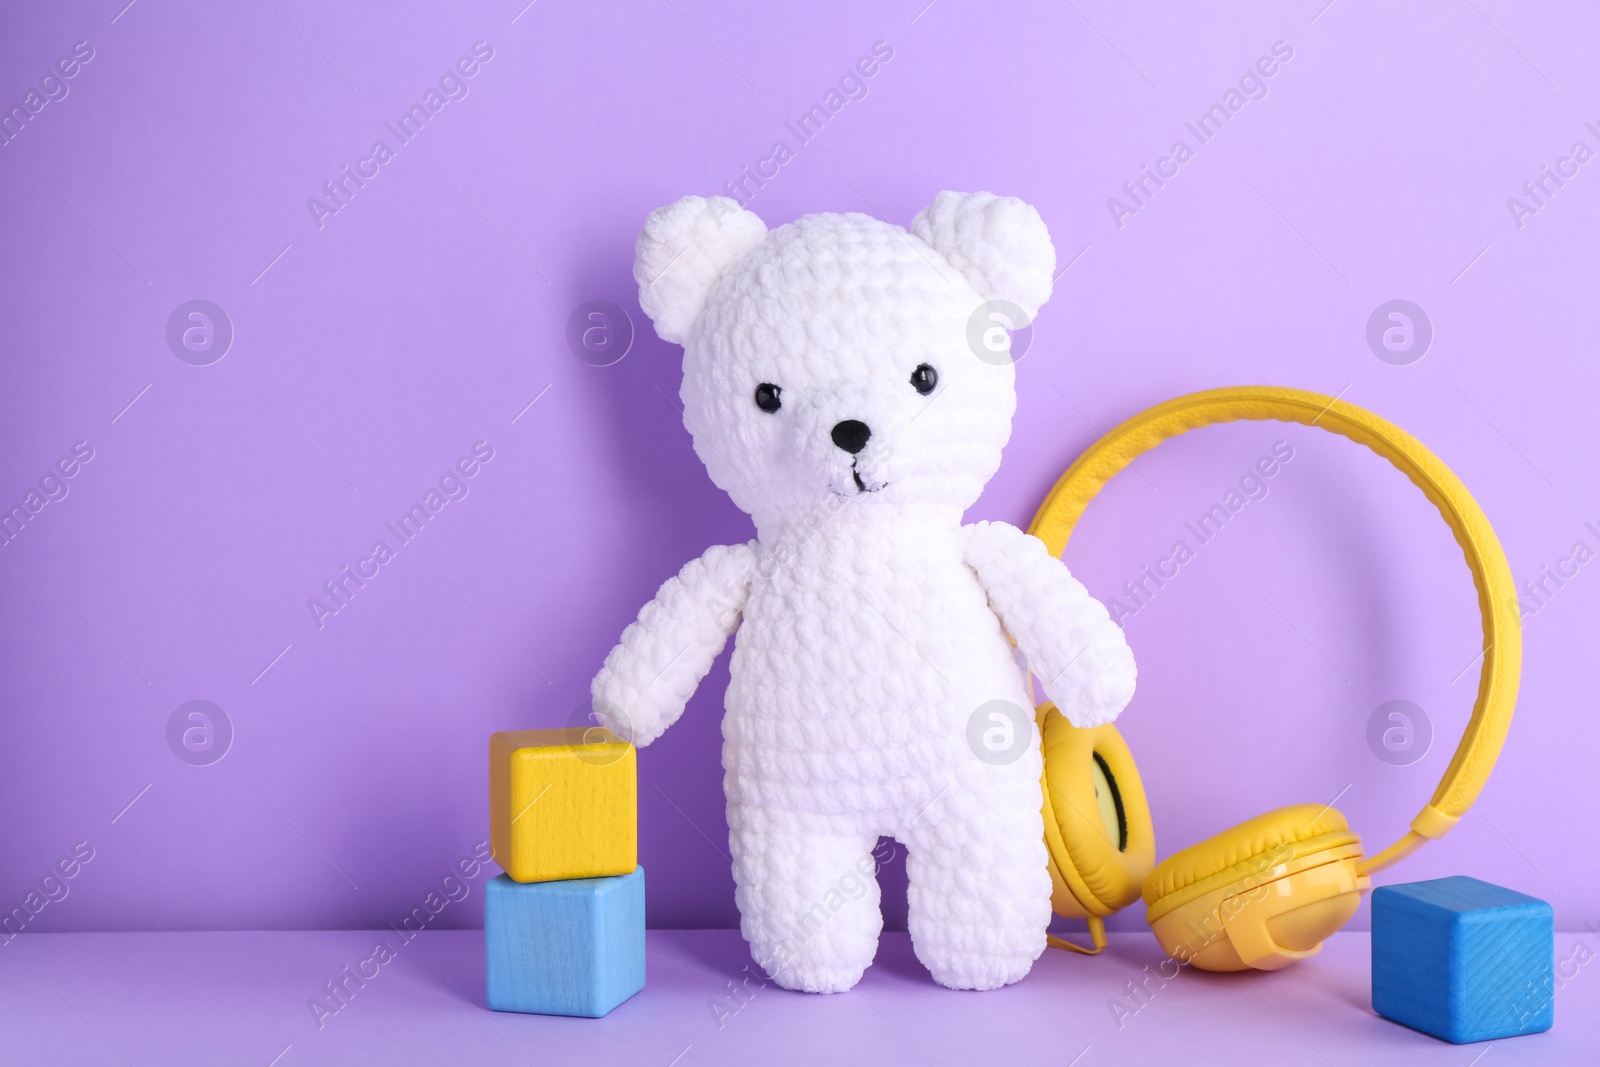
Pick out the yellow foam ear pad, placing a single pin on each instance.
(1261, 895)
(1097, 820)
(1278, 835)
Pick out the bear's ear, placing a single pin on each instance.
(998, 242)
(683, 250)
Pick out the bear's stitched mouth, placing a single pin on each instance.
(861, 486)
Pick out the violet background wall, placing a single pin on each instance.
(375, 346)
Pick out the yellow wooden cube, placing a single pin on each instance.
(563, 804)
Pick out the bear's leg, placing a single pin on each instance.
(979, 888)
(808, 906)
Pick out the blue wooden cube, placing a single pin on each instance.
(572, 947)
(1462, 959)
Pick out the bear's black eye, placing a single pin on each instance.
(769, 397)
(924, 378)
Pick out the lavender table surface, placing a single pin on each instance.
(242, 998)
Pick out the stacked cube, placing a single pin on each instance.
(564, 925)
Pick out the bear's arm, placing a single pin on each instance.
(664, 653)
(1067, 635)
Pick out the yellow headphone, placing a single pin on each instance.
(1268, 892)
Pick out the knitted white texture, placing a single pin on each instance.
(680, 254)
(999, 242)
(1073, 647)
(869, 620)
(662, 657)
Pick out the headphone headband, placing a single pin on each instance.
(1502, 634)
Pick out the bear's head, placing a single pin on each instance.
(844, 357)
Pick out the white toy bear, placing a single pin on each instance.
(832, 391)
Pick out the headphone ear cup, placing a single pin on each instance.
(1097, 820)
(1261, 895)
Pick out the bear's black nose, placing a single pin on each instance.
(851, 435)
